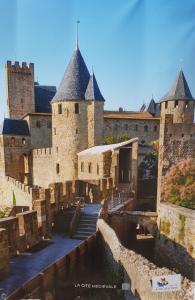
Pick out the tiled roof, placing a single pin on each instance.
(129, 115)
(93, 91)
(43, 96)
(75, 80)
(179, 91)
(14, 127)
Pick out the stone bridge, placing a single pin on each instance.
(148, 220)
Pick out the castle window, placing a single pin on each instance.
(56, 149)
(13, 140)
(126, 126)
(89, 167)
(76, 108)
(57, 168)
(60, 108)
(182, 135)
(155, 128)
(23, 141)
(136, 127)
(77, 131)
(22, 101)
(48, 124)
(38, 124)
(166, 104)
(54, 131)
(176, 104)
(187, 104)
(146, 128)
(98, 169)
(82, 166)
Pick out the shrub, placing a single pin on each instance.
(178, 185)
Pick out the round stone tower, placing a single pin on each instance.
(176, 128)
(77, 118)
(69, 119)
(178, 102)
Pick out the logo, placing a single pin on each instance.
(166, 283)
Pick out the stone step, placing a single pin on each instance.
(86, 229)
(84, 233)
(87, 222)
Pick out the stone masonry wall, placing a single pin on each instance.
(139, 270)
(95, 122)
(132, 128)
(42, 167)
(16, 153)
(4, 253)
(69, 136)
(10, 188)
(20, 89)
(40, 130)
(176, 243)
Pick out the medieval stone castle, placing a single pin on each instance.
(52, 150)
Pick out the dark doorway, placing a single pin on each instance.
(124, 165)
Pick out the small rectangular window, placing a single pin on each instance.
(76, 108)
(57, 168)
(54, 131)
(60, 108)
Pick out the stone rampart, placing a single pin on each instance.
(47, 283)
(176, 242)
(139, 270)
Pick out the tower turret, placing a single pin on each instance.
(69, 118)
(178, 102)
(95, 112)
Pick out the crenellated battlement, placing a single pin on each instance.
(20, 185)
(42, 152)
(16, 67)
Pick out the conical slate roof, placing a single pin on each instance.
(93, 91)
(75, 80)
(151, 107)
(179, 91)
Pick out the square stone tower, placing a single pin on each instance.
(20, 89)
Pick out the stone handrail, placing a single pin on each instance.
(75, 220)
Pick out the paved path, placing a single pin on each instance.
(25, 266)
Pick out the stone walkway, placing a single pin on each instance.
(25, 266)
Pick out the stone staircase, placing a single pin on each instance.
(86, 226)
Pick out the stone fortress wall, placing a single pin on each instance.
(40, 127)
(20, 89)
(147, 130)
(42, 167)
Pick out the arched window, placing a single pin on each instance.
(57, 168)
(89, 167)
(23, 141)
(155, 128)
(166, 104)
(145, 128)
(82, 166)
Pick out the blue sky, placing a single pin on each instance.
(136, 47)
